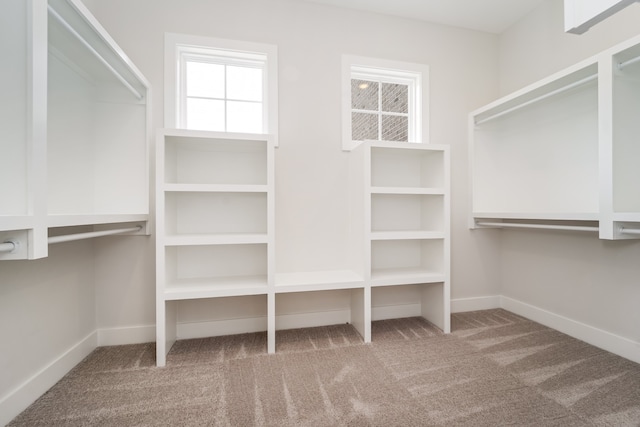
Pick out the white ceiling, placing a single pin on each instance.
(493, 16)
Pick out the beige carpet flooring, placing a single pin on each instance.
(494, 369)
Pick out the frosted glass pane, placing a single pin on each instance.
(364, 126)
(395, 98)
(205, 80)
(244, 83)
(244, 117)
(364, 95)
(205, 114)
(395, 128)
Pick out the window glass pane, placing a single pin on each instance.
(244, 117)
(244, 83)
(395, 98)
(364, 126)
(364, 95)
(205, 114)
(395, 128)
(205, 80)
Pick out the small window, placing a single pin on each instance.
(385, 101)
(220, 85)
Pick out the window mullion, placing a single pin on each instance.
(226, 103)
(379, 110)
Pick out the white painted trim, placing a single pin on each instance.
(605, 340)
(126, 335)
(26, 393)
(460, 305)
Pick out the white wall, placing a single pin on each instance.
(311, 195)
(47, 321)
(574, 276)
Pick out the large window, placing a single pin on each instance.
(383, 101)
(220, 85)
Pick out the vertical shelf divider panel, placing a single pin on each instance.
(406, 223)
(625, 149)
(214, 222)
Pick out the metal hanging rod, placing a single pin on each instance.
(539, 98)
(92, 234)
(538, 226)
(630, 230)
(104, 62)
(9, 246)
(631, 61)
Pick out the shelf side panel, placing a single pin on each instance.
(13, 107)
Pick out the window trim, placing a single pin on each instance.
(388, 71)
(179, 45)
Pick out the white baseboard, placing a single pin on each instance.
(311, 319)
(126, 335)
(258, 324)
(605, 340)
(214, 328)
(461, 305)
(25, 394)
(385, 312)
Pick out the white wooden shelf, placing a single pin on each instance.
(559, 216)
(627, 216)
(17, 222)
(215, 287)
(216, 239)
(214, 188)
(405, 276)
(408, 190)
(564, 148)
(73, 220)
(408, 235)
(318, 281)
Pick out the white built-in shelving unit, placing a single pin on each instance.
(214, 221)
(562, 153)
(400, 197)
(74, 148)
(215, 228)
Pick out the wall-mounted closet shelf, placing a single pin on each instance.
(536, 226)
(562, 149)
(74, 149)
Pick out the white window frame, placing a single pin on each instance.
(416, 76)
(179, 47)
